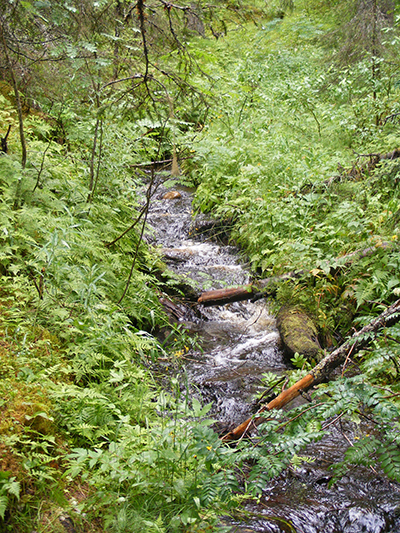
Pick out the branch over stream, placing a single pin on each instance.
(322, 370)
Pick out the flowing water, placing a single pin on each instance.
(239, 342)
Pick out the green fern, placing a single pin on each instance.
(9, 489)
(389, 459)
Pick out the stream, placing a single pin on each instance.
(239, 343)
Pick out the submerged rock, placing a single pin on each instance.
(172, 195)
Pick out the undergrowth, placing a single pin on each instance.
(85, 430)
(285, 156)
(280, 140)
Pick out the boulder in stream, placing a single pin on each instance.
(172, 195)
(298, 333)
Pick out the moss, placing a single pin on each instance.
(298, 333)
(26, 405)
(9, 461)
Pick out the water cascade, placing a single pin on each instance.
(239, 342)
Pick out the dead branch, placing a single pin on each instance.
(390, 117)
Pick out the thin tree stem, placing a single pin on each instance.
(149, 195)
(19, 112)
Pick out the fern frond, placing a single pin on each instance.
(389, 459)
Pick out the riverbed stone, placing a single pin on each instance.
(172, 195)
(298, 333)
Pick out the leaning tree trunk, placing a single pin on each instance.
(322, 370)
(17, 102)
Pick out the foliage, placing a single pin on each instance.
(279, 157)
(346, 400)
(180, 463)
(9, 487)
(271, 129)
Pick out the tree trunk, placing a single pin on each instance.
(18, 104)
(224, 296)
(321, 372)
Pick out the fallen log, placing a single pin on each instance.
(322, 370)
(173, 310)
(252, 291)
(261, 288)
(224, 296)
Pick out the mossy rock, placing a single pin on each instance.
(298, 334)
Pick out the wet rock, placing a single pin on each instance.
(298, 333)
(172, 195)
(362, 517)
(67, 524)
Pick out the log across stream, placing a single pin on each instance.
(239, 342)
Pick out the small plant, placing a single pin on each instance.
(9, 490)
(300, 362)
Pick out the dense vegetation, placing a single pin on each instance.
(286, 119)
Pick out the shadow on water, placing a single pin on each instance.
(362, 501)
(239, 342)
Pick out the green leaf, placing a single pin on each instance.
(3, 505)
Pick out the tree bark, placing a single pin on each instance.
(224, 296)
(322, 370)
